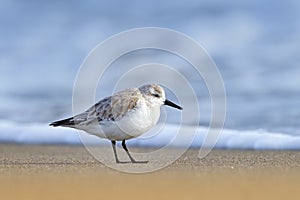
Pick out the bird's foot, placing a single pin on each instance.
(122, 162)
(132, 161)
(140, 161)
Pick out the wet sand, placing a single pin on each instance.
(70, 172)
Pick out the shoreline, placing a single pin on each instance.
(51, 172)
(29, 156)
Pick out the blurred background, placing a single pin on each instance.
(255, 44)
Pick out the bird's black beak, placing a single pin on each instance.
(170, 103)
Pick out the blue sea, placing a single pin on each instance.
(254, 44)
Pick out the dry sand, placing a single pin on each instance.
(70, 172)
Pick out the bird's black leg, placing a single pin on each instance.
(115, 152)
(131, 158)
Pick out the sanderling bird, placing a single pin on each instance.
(124, 115)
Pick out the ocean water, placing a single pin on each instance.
(229, 139)
(255, 45)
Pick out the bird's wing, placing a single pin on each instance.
(111, 108)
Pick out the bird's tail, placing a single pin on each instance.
(69, 122)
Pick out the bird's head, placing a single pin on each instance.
(155, 94)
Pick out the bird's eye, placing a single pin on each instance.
(156, 95)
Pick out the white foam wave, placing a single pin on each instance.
(229, 139)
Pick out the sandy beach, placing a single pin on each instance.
(70, 172)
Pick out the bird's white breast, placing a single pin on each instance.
(139, 120)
